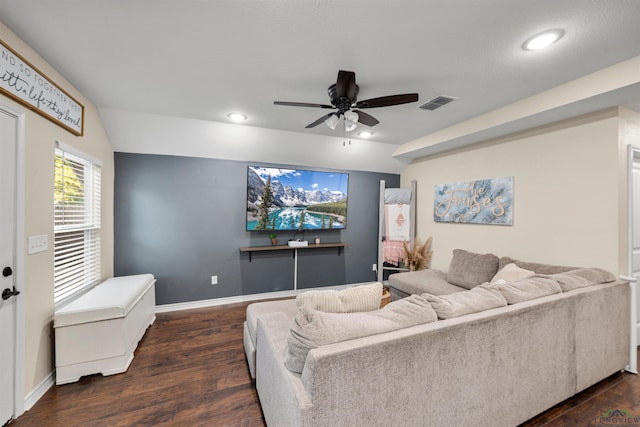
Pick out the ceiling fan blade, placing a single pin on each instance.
(320, 120)
(386, 101)
(346, 84)
(366, 119)
(302, 104)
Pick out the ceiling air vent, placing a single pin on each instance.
(436, 102)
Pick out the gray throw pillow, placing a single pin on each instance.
(468, 269)
(312, 329)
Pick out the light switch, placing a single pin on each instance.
(38, 244)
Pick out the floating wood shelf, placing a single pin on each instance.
(252, 249)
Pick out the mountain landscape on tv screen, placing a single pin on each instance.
(287, 199)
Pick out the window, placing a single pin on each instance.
(76, 223)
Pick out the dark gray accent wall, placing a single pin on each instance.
(183, 220)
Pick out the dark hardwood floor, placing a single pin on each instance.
(190, 370)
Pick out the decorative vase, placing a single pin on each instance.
(274, 241)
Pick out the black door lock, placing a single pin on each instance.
(7, 271)
(8, 293)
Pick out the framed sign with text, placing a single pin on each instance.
(486, 201)
(24, 83)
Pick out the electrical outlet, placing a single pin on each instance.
(374, 267)
(214, 280)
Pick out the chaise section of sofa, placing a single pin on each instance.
(250, 331)
(360, 297)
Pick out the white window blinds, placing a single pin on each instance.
(76, 224)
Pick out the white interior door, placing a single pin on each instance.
(8, 142)
(635, 227)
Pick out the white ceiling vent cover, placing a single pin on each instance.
(436, 102)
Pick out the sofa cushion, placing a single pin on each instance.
(312, 328)
(582, 277)
(418, 282)
(537, 268)
(526, 289)
(510, 273)
(356, 298)
(468, 269)
(478, 299)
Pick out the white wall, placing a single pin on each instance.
(566, 194)
(40, 137)
(133, 132)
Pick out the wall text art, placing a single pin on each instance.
(26, 84)
(487, 201)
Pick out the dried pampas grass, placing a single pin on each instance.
(418, 257)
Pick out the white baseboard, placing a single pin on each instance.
(163, 308)
(39, 391)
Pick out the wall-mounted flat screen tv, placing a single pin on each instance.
(294, 199)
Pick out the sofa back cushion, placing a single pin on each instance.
(526, 289)
(468, 269)
(356, 298)
(312, 328)
(537, 268)
(458, 304)
(582, 277)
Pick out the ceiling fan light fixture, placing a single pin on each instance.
(365, 134)
(351, 116)
(542, 40)
(350, 120)
(332, 121)
(237, 117)
(349, 126)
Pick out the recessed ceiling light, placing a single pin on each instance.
(365, 134)
(542, 40)
(237, 117)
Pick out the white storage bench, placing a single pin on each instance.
(98, 332)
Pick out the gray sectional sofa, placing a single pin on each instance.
(440, 356)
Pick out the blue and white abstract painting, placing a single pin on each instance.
(486, 201)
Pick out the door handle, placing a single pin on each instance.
(8, 293)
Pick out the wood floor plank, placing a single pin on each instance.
(190, 370)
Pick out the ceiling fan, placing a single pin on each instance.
(344, 96)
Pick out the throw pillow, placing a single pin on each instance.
(356, 298)
(312, 329)
(458, 304)
(511, 273)
(468, 269)
(526, 289)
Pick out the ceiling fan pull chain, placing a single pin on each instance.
(344, 132)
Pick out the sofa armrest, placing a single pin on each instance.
(283, 397)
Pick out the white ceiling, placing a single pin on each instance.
(202, 59)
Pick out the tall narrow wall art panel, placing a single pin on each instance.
(486, 201)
